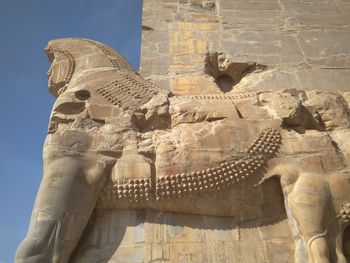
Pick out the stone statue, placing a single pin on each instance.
(117, 144)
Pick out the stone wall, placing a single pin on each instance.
(207, 46)
(227, 46)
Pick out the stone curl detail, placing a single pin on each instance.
(50, 51)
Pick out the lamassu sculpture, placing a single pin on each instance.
(118, 142)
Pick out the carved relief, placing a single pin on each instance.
(118, 144)
(119, 93)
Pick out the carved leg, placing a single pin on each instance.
(307, 204)
(346, 243)
(339, 247)
(319, 248)
(63, 206)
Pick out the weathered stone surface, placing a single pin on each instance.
(262, 47)
(250, 5)
(331, 109)
(326, 49)
(247, 19)
(134, 173)
(325, 79)
(240, 153)
(306, 40)
(194, 85)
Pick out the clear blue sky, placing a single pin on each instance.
(25, 104)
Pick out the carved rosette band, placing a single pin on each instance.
(133, 190)
(212, 179)
(241, 95)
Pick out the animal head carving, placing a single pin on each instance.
(70, 57)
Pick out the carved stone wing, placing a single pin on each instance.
(128, 91)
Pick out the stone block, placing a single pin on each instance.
(201, 27)
(324, 79)
(268, 48)
(321, 7)
(325, 49)
(252, 19)
(312, 21)
(249, 5)
(194, 85)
